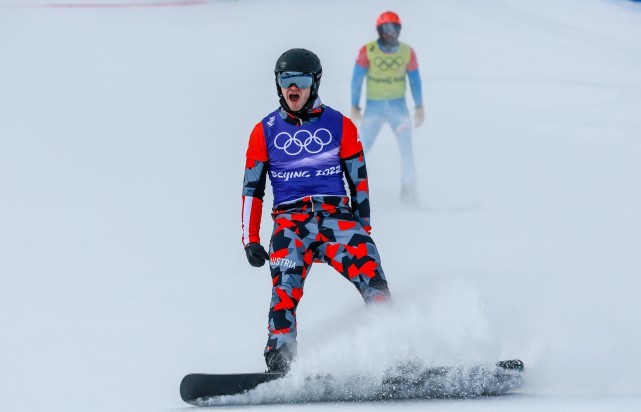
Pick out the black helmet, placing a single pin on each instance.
(299, 60)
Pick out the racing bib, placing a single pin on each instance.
(304, 160)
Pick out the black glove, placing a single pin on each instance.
(256, 254)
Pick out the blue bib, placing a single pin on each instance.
(304, 160)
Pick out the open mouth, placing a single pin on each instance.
(294, 97)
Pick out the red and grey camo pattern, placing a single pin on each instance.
(318, 229)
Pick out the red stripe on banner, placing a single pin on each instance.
(177, 3)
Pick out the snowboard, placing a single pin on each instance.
(410, 380)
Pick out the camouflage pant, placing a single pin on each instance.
(332, 235)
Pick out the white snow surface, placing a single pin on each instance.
(123, 132)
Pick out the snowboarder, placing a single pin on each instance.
(307, 149)
(385, 62)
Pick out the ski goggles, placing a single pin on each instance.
(300, 79)
(393, 28)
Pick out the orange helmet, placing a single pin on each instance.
(388, 17)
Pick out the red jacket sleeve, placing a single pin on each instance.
(251, 215)
(413, 64)
(254, 185)
(350, 143)
(257, 148)
(362, 59)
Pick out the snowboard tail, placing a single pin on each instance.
(200, 385)
(407, 381)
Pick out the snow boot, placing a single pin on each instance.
(280, 359)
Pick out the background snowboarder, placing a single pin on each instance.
(386, 62)
(307, 149)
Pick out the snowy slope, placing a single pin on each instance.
(122, 141)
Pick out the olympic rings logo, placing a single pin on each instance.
(389, 63)
(303, 139)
